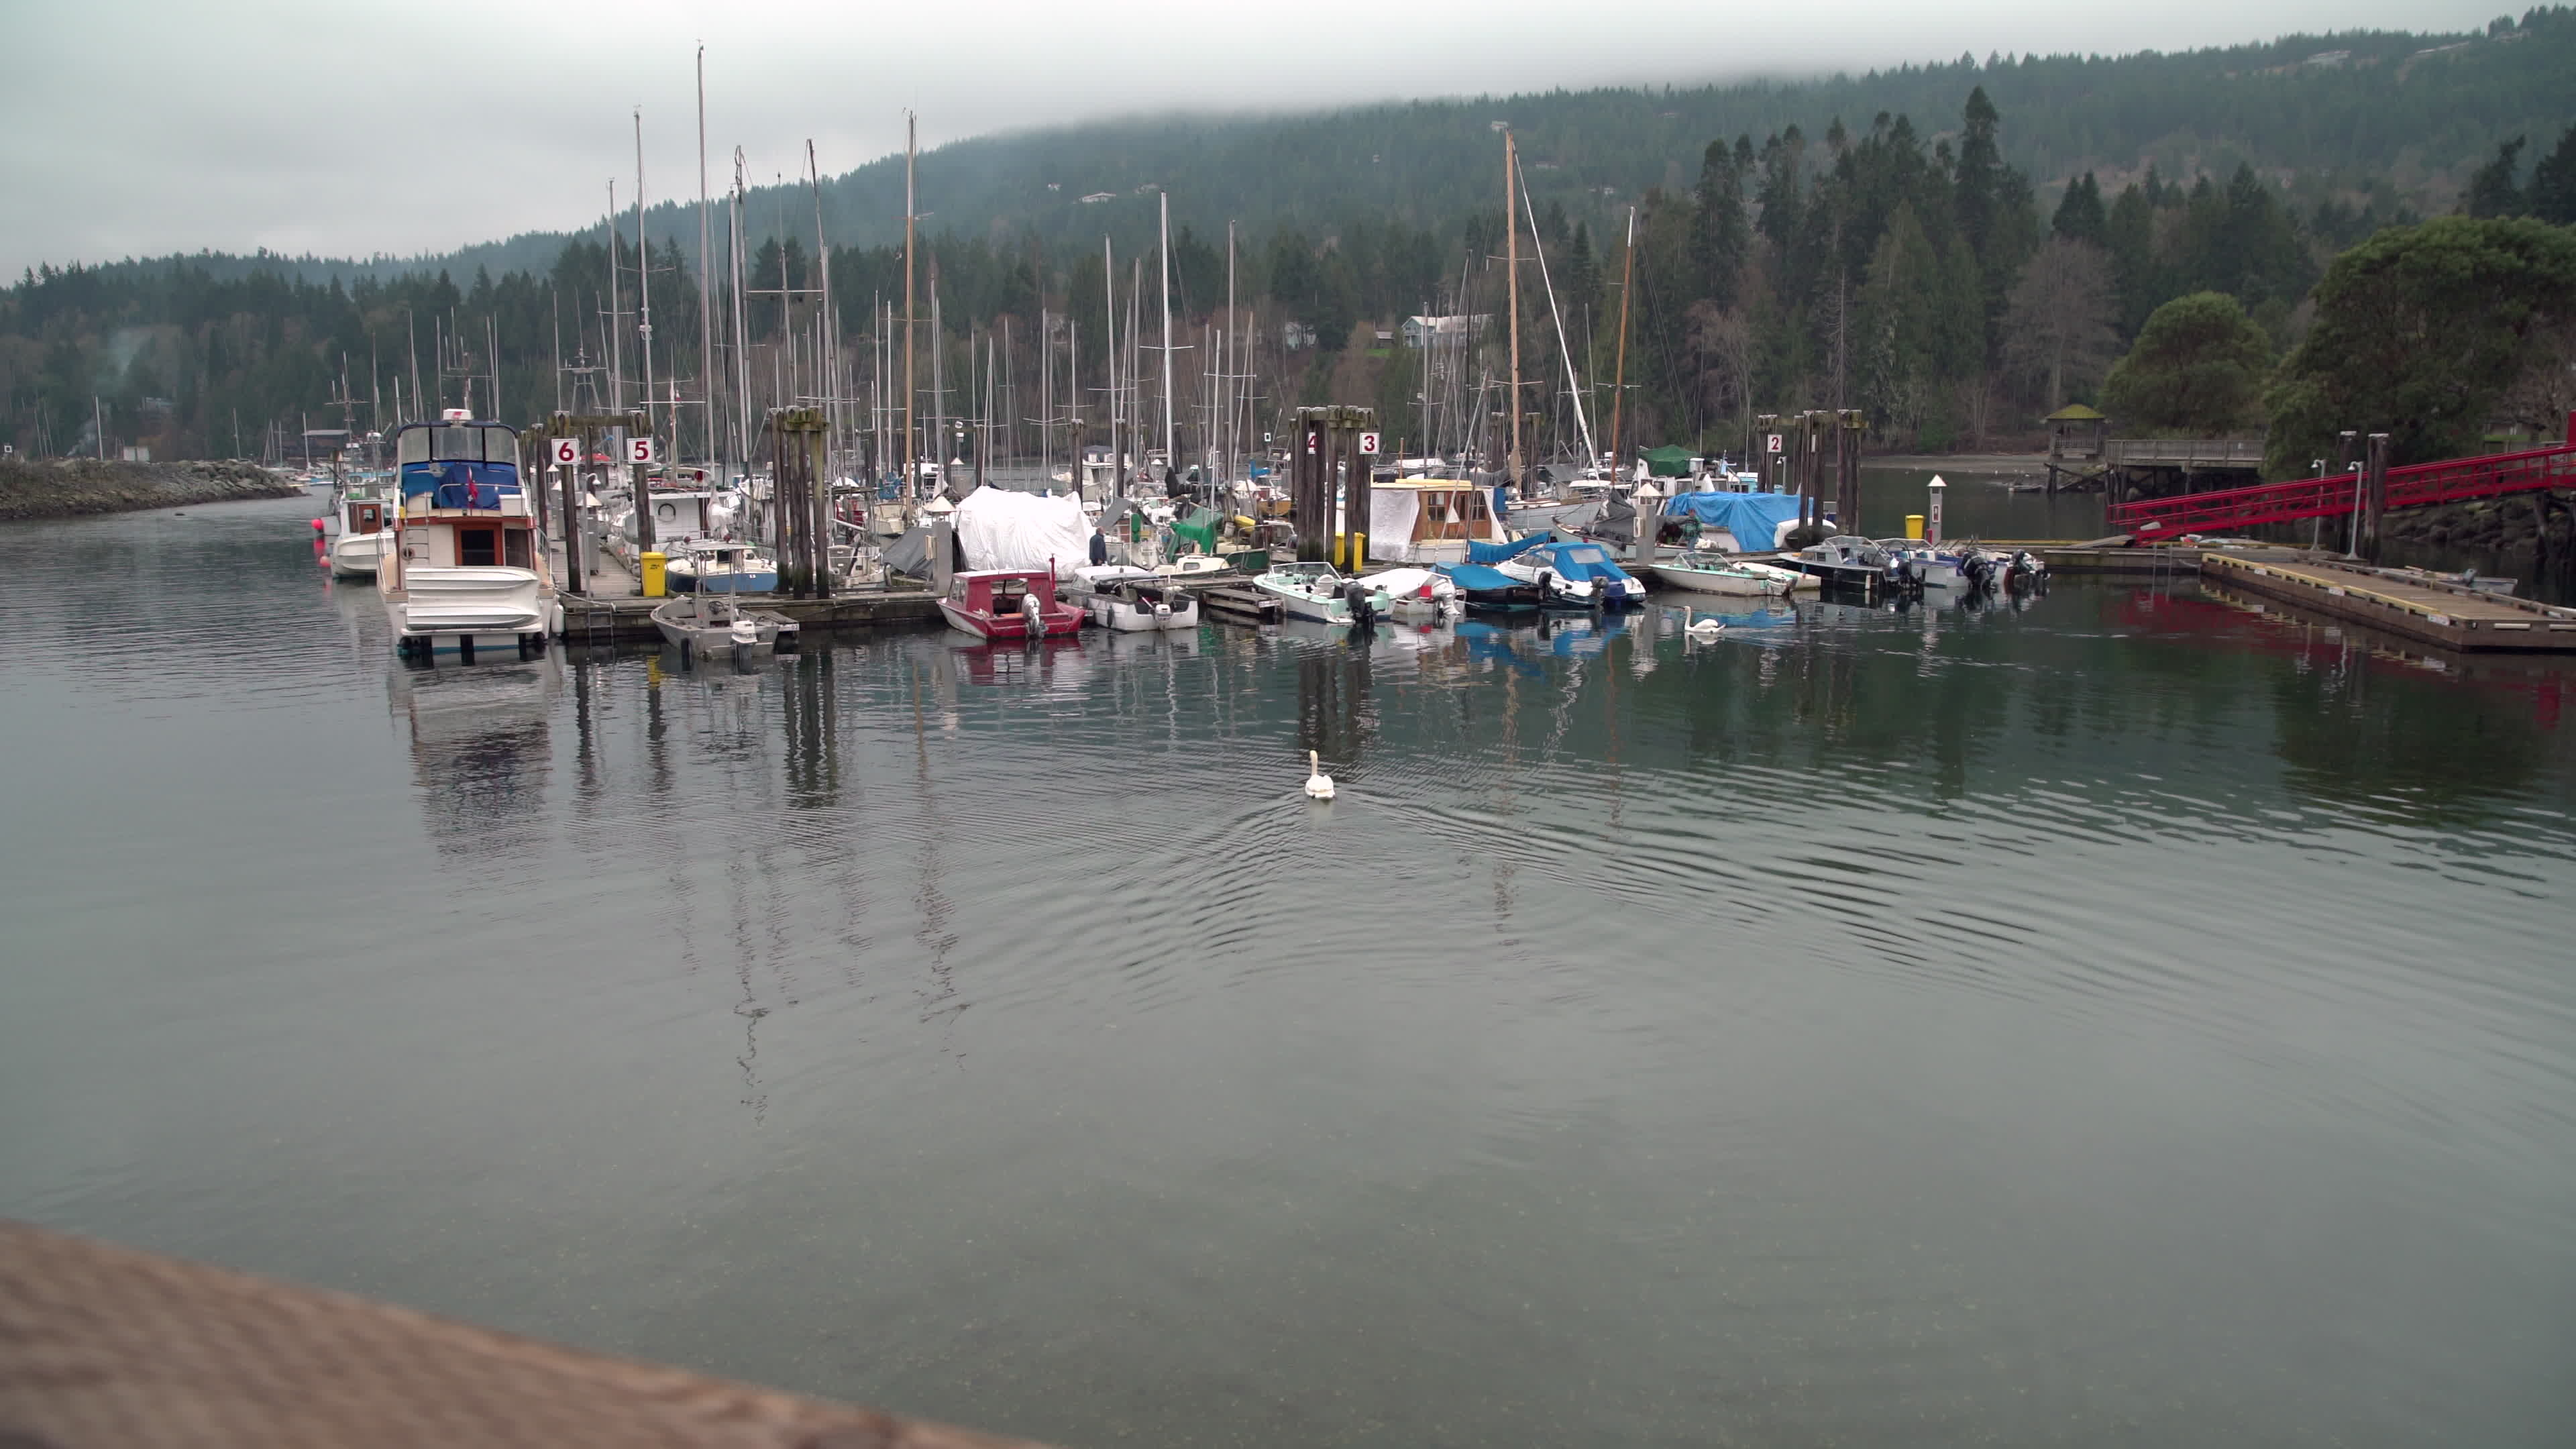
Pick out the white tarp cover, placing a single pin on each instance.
(1001, 529)
(1403, 581)
(1392, 512)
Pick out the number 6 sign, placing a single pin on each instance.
(567, 451)
(643, 450)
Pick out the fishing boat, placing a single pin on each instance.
(365, 531)
(465, 571)
(720, 566)
(1581, 575)
(1318, 592)
(1702, 571)
(1008, 604)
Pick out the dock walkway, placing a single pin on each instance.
(2427, 610)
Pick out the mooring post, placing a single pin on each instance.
(2375, 490)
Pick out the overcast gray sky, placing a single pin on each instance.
(342, 127)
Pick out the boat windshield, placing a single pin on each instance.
(1310, 570)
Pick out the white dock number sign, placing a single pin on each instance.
(643, 450)
(1771, 443)
(1368, 443)
(567, 452)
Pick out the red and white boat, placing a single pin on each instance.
(1008, 604)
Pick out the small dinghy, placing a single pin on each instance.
(714, 624)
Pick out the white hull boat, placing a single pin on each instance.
(1711, 574)
(1318, 593)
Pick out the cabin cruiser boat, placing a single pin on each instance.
(1581, 575)
(465, 570)
(720, 566)
(366, 519)
(1318, 592)
(715, 624)
(1008, 604)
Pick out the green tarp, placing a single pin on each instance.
(1668, 461)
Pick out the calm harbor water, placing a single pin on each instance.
(2128, 1019)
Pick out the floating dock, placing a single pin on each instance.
(2426, 610)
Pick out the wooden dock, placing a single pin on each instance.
(1239, 604)
(2428, 611)
(610, 610)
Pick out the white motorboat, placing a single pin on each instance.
(705, 625)
(464, 572)
(1847, 561)
(1709, 572)
(719, 566)
(365, 532)
(1134, 606)
(1318, 592)
(1417, 595)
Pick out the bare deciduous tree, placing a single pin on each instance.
(1721, 344)
(2058, 319)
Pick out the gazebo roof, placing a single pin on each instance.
(2074, 413)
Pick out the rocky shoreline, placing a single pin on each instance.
(71, 487)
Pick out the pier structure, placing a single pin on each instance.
(1327, 466)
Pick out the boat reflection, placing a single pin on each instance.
(481, 749)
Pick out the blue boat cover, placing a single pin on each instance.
(1754, 518)
(1580, 561)
(486, 480)
(1494, 553)
(1476, 578)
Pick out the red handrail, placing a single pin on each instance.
(2332, 496)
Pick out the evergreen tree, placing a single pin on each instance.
(2197, 370)
(2553, 183)
(2080, 216)
(1719, 236)
(2491, 190)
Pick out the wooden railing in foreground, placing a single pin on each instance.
(103, 1346)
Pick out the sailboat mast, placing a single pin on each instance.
(1512, 275)
(830, 368)
(1619, 389)
(911, 474)
(616, 310)
(706, 273)
(1171, 455)
(1109, 310)
(741, 338)
(1225, 364)
(643, 271)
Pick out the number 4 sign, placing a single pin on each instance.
(643, 450)
(567, 451)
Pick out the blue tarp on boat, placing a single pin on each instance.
(1580, 561)
(1494, 553)
(1754, 518)
(1474, 579)
(485, 480)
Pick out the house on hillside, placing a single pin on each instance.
(1421, 332)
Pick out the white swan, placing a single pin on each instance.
(1319, 786)
(1706, 629)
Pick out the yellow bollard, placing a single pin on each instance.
(1914, 526)
(653, 579)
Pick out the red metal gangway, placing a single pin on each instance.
(2224, 510)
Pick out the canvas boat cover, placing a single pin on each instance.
(1668, 461)
(1392, 512)
(1494, 553)
(910, 554)
(1477, 579)
(1754, 518)
(998, 528)
(1400, 582)
(1578, 561)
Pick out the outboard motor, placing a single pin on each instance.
(1033, 615)
(1356, 595)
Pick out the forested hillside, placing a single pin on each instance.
(1955, 248)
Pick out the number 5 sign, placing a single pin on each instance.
(643, 450)
(567, 452)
